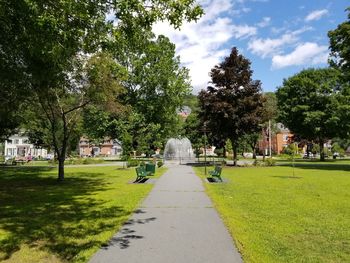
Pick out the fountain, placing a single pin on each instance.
(179, 149)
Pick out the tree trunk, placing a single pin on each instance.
(234, 155)
(62, 158)
(253, 146)
(321, 151)
(61, 168)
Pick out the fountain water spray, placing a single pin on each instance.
(179, 149)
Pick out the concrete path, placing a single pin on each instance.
(176, 223)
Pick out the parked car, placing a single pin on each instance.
(8, 157)
(49, 157)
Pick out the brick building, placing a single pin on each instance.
(279, 140)
(109, 147)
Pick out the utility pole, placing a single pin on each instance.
(270, 139)
(205, 149)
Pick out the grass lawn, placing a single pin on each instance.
(275, 217)
(42, 220)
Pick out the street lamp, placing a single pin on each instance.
(204, 130)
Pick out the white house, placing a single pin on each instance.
(19, 146)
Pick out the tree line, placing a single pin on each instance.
(70, 67)
(314, 103)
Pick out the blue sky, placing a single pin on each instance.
(279, 37)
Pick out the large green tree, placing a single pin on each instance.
(57, 111)
(233, 106)
(310, 104)
(339, 39)
(155, 87)
(340, 59)
(156, 83)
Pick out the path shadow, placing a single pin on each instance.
(127, 234)
(202, 164)
(38, 211)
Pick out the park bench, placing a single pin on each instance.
(150, 169)
(145, 170)
(140, 173)
(216, 173)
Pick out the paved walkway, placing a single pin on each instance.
(176, 223)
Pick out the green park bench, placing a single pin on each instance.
(150, 169)
(145, 170)
(140, 173)
(216, 173)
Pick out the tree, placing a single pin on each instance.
(309, 104)
(192, 129)
(47, 44)
(96, 83)
(340, 59)
(337, 150)
(233, 106)
(155, 88)
(156, 83)
(339, 45)
(251, 140)
(268, 126)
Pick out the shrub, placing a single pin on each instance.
(219, 151)
(160, 164)
(256, 163)
(52, 162)
(132, 163)
(270, 162)
(290, 149)
(73, 161)
(198, 152)
(246, 164)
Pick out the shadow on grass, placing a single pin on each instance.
(331, 166)
(286, 177)
(37, 210)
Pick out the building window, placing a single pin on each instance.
(16, 141)
(285, 138)
(25, 141)
(9, 141)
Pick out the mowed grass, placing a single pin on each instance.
(42, 220)
(277, 217)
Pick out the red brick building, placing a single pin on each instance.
(280, 139)
(109, 147)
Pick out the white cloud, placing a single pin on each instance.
(265, 22)
(269, 47)
(304, 54)
(243, 31)
(316, 15)
(265, 47)
(201, 45)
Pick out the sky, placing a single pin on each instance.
(279, 37)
